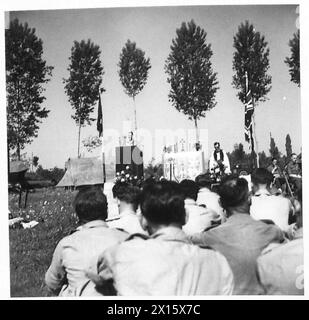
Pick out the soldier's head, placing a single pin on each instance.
(234, 195)
(294, 157)
(274, 161)
(204, 181)
(127, 197)
(189, 188)
(261, 178)
(162, 204)
(90, 204)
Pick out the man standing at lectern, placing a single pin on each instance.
(219, 160)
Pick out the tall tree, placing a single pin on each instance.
(288, 146)
(83, 84)
(26, 73)
(133, 72)
(274, 151)
(293, 60)
(250, 64)
(252, 56)
(190, 73)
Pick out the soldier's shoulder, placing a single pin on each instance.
(137, 236)
(112, 219)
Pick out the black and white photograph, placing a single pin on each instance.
(153, 150)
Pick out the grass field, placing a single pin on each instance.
(31, 249)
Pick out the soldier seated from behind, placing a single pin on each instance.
(240, 239)
(267, 206)
(79, 251)
(199, 218)
(127, 197)
(166, 263)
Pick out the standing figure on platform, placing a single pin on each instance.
(130, 139)
(219, 163)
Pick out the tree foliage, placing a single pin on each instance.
(55, 174)
(238, 154)
(274, 151)
(239, 159)
(83, 84)
(190, 73)
(252, 56)
(133, 69)
(288, 146)
(35, 161)
(293, 60)
(26, 73)
(91, 143)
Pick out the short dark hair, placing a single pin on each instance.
(90, 204)
(274, 158)
(262, 176)
(116, 187)
(163, 203)
(204, 180)
(189, 188)
(129, 194)
(147, 182)
(217, 143)
(293, 154)
(233, 192)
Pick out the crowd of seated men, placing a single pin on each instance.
(181, 239)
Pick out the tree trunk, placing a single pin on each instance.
(18, 151)
(196, 132)
(79, 128)
(254, 137)
(135, 121)
(18, 126)
(8, 150)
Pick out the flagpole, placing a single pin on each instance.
(255, 149)
(254, 135)
(102, 141)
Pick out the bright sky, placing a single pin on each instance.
(153, 29)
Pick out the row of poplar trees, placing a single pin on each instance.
(193, 82)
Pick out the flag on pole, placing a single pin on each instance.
(100, 118)
(249, 109)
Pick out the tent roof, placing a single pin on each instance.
(18, 166)
(82, 171)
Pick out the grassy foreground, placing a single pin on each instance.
(31, 250)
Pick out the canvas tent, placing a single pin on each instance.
(83, 171)
(18, 166)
